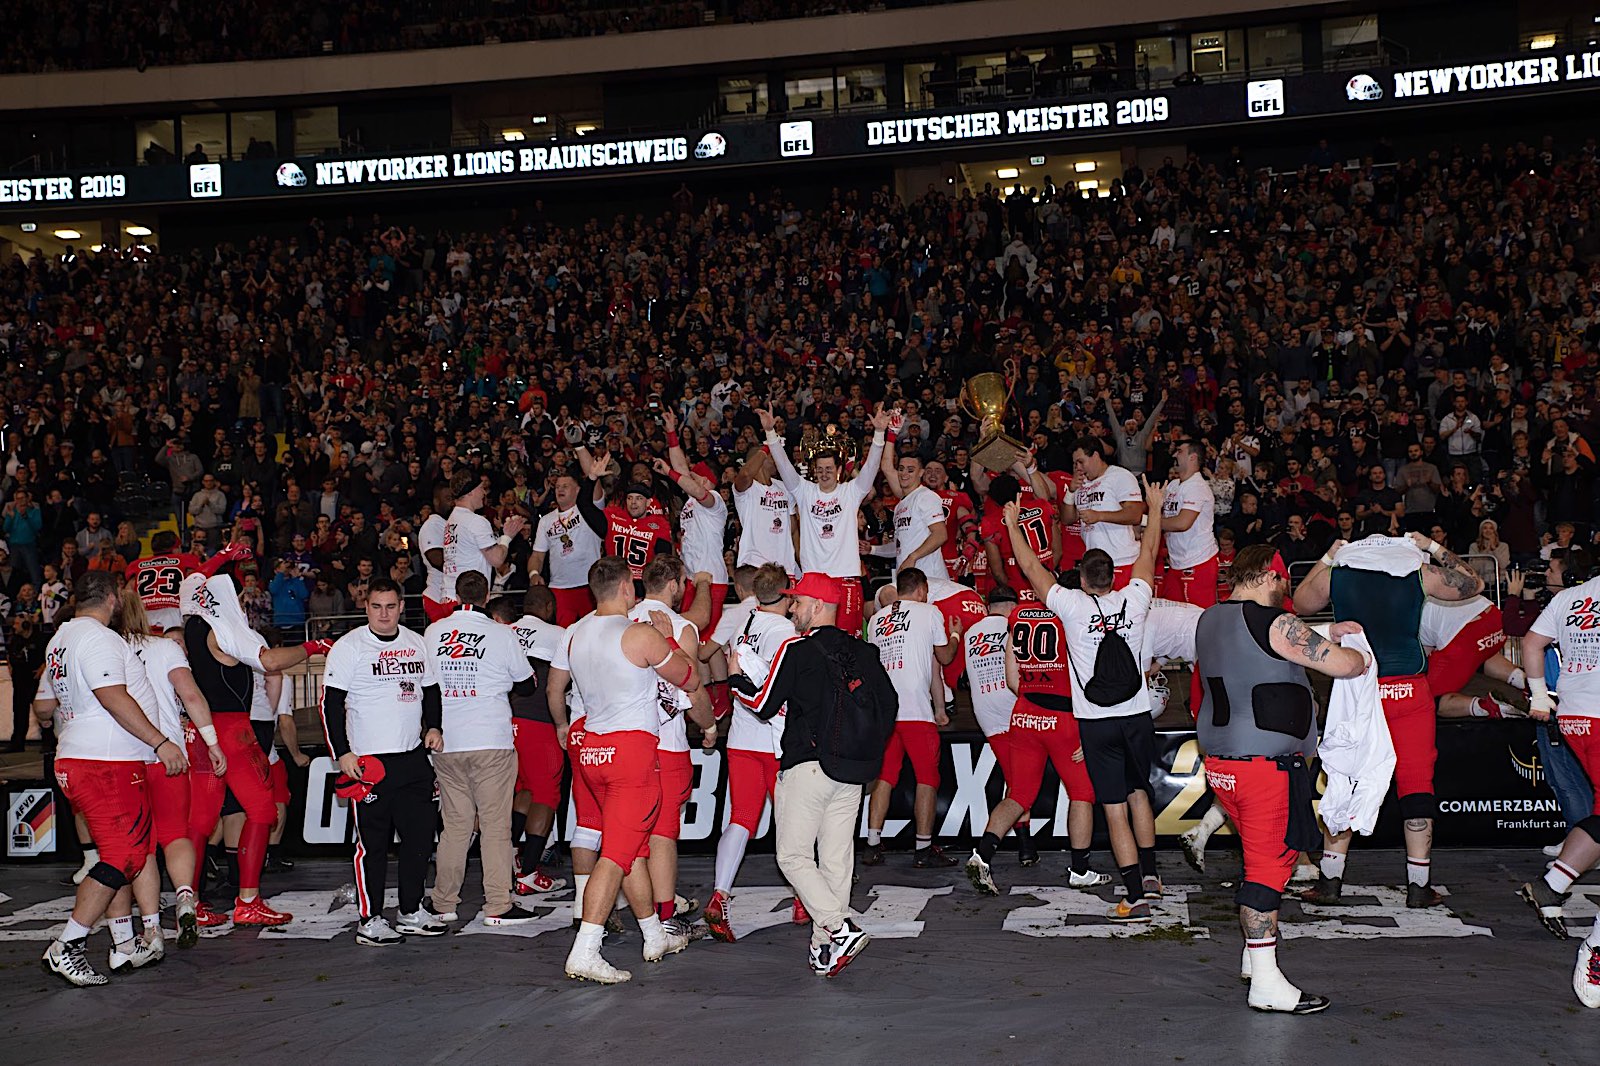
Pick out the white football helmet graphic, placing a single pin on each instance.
(711, 145)
(1156, 683)
(1363, 87)
(290, 176)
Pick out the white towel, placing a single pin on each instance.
(1397, 556)
(1357, 752)
(215, 600)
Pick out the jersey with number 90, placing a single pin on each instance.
(1039, 645)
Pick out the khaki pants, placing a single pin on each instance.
(816, 828)
(475, 786)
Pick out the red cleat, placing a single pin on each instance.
(206, 918)
(718, 919)
(800, 915)
(537, 882)
(256, 912)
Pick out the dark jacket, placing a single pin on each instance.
(802, 677)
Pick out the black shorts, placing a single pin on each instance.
(1119, 753)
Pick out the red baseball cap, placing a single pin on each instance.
(1277, 566)
(818, 587)
(357, 790)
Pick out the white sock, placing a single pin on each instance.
(151, 921)
(874, 836)
(122, 929)
(73, 931)
(1594, 933)
(185, 890)
(924, 842)
(1210, 822)
(90, 857)
(1560, 876)
(581, 881)
(587, 941)
(730, 853)
(1417, 871)
(1518, 679)
(1332, 864)
(651, 928)
(1263, 955)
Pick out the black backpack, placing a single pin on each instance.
(1117, 676)
(853, 733)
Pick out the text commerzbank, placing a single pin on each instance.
(1017, 121)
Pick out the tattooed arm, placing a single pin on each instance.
(1299, 643)
(1448, 577)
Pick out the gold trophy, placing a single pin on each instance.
(984, 398)
(829, 438)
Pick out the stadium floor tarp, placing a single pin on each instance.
(1034, 975)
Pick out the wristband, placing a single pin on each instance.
(672, 642)
(672, 439)
(164, 742)
(1435, 548)
(208, 733)
(1539, 694)
(878, 438)
(675, 476)
(1326, 560)
(503, 540)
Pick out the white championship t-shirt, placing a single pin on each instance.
(1191, 547)
(829, 541)
(703, 526)
(83, 656)
(985, 645)
(539, 639)
(429, 537)
(1443, 622)
(160, 657)
(467, 535)
(1169, 631)
(1087, 623)
(764, 537)
(1107, 493)
(671, 699)
(914, 516)
(477, 660)
(905, 634)
(570, 545)
(759, 636)
(1572, 621)
(383, 682)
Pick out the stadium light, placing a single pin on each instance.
(1084, 166)
(513, 135)
(1542, 41)
(68, 234)
(137, 231)
(584, 129)
(1006, 173)
(1089, 183)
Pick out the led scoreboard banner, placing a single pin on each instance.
(791, 138)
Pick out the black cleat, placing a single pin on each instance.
(872, 855)
(1546, 903)
(1309, 1004)
(931, 856)
(1027, 849)
(1420, 896)
(1328, 892)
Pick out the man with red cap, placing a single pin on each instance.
(839, 707)
(827, 510)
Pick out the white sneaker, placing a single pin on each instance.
(978, 873)
(669, 944)
(420, 922)
(1586, 975)
(1552, 851)
(1194, 848)
(595, 968)
(188, 922)
(443, 916)
(1278, 995)
(72, 963)
(138, 954)
(156, 941)
(376, 932)
(1087, 879)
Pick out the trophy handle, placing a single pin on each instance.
(1010, 367)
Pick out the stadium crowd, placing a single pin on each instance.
(1378, 349)
(93, 35)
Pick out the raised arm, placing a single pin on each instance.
(1145, 565)
(869, 466)
(1315, 589)
(1448, 577)
(1300, 644)
(1039, 577)
(779, 451)
(745, 476)
(593, 517)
